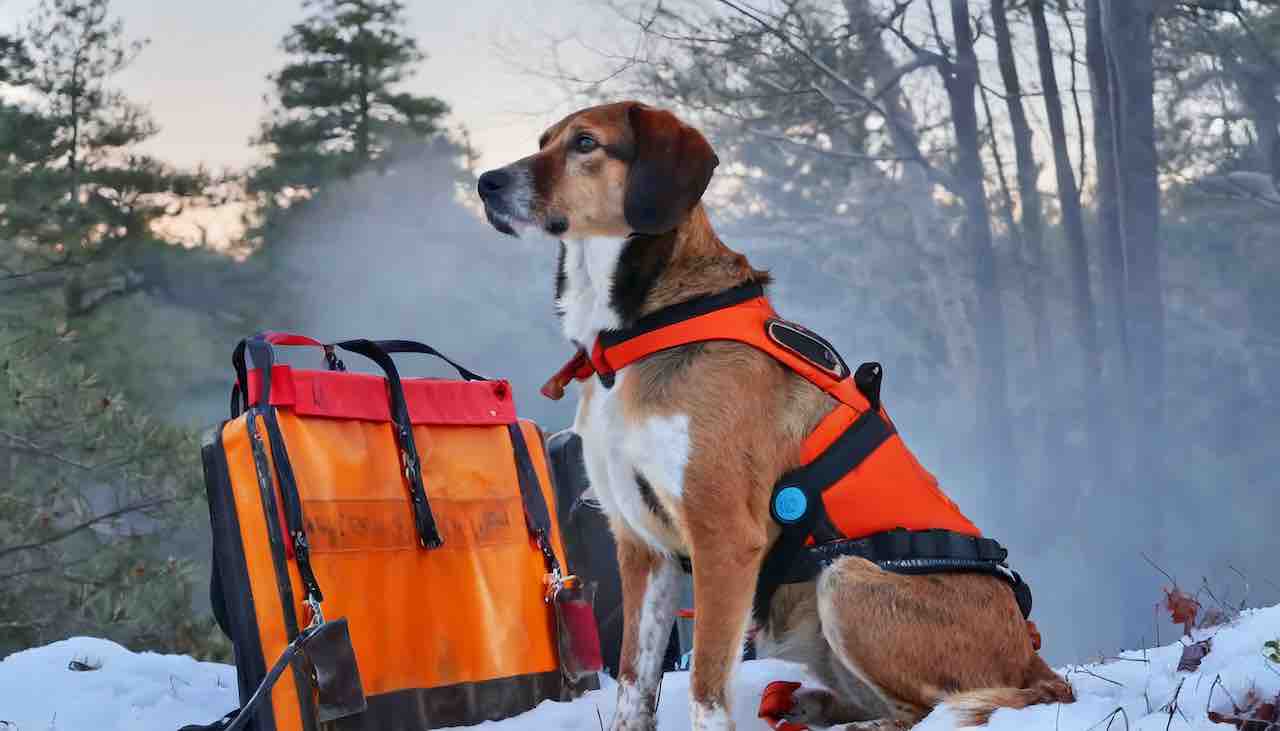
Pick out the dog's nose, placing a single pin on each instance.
(493, 181)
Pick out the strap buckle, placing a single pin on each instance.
(317, 615)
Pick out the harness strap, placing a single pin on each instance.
(797, 505)
(900, 551)
(741, 314)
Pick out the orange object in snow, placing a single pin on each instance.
(776, 702)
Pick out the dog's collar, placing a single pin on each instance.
(694, 320)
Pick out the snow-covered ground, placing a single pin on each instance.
(150, 692)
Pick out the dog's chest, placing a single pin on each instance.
(636, 465)
(636, 461)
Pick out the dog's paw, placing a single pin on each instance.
(812, 707)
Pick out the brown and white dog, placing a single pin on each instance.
(684, 450)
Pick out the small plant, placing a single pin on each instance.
(1271, 650)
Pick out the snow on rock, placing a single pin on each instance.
(150, 692)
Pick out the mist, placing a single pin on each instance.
(400, 253)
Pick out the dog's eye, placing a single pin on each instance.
(585, 143)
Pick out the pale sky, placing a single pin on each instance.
(203, 75)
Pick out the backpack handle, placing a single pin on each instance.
(259, 347)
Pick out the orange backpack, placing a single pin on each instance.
(420, 510)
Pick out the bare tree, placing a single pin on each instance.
(1126, 30)
(1073, 226)
(961, 78)
(1030, 235)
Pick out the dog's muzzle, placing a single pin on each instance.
(505, 205)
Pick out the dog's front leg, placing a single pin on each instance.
(650, 589)
(727, 552)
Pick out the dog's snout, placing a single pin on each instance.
(493, 182)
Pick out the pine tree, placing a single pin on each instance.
(337, 106)
(91, 490)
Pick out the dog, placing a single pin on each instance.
(685, 447)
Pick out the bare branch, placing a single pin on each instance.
(104, 517)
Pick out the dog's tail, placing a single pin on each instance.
(974, 707)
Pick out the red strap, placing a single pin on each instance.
(578, 368)
(776, 701)
(282, 338)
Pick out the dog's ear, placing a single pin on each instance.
(670, 169)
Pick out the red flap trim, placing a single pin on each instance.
(346, 395)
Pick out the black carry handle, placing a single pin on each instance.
(260, 350)
(413, 346)
(402, 426)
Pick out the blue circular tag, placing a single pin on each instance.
(790, 504)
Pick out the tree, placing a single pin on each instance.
(961, 79)
(76, 188)
(1073, 227)
(90, 488)
(1127, 38)
(1031, 235)
(336, 100)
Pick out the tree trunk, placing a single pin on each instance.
(993, 407)
(1032, 229)
(1127, 29)
(1073, 225)
(1111, 244)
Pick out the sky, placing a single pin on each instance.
(204, 73)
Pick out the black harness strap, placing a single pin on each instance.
(536, 514)
(682, 311)
(863, 437)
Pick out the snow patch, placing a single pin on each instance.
(151, 692)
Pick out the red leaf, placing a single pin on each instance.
(1182, 607)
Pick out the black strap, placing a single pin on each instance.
(910, 552)
(402, 426)
(413, 346)
(258, 341)
(264, 358)
(239, 719)
(858, 441)
(262, 354)
(683, 311)
(536, 514)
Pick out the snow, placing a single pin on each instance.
(150, 692)
(129, 691)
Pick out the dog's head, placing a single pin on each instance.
(611, 170)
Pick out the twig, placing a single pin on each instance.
(1090, 673)
(827, 153)
(1110, 719)
(1172, 706)
(5, 551)
(1157, 568)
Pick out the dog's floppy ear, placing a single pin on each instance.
(670, 169)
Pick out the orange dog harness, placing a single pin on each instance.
(858, 490)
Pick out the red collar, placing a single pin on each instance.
(741, 314)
